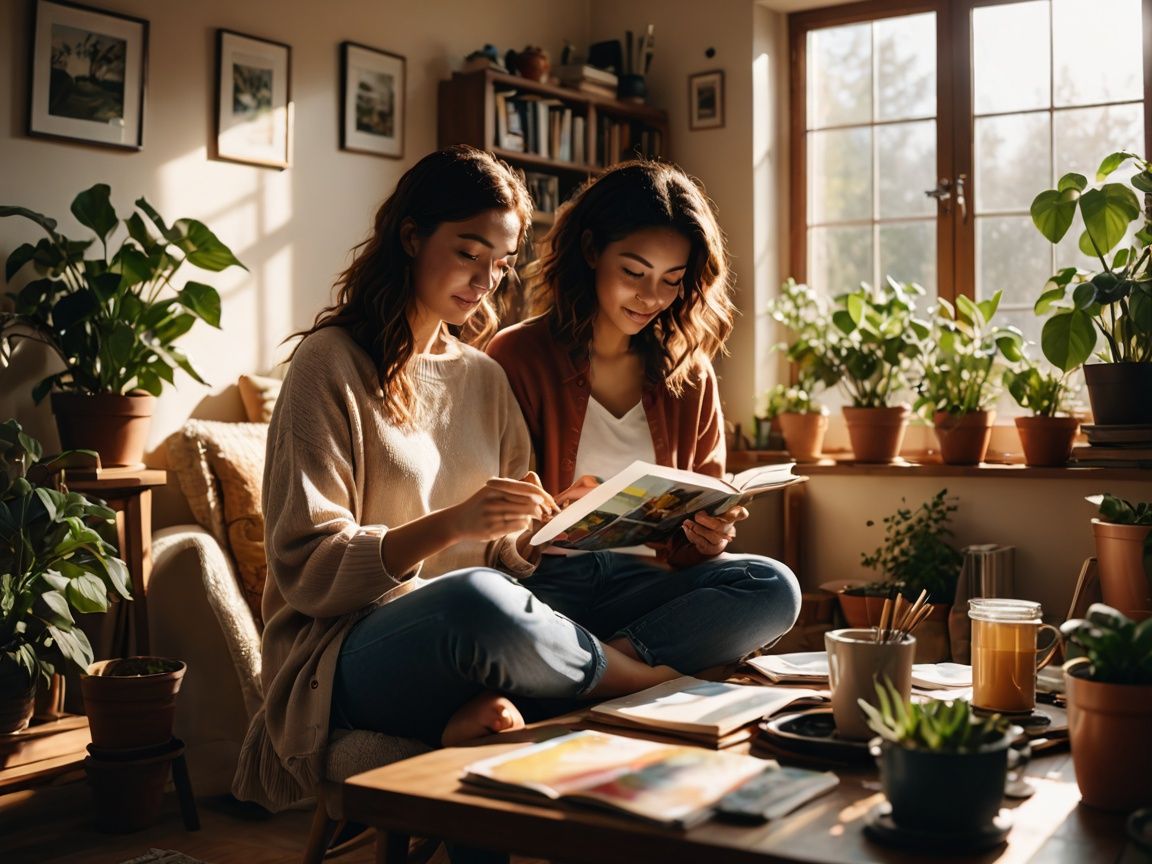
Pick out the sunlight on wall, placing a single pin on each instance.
(763, 214)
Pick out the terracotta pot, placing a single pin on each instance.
(1120, 393)
(17, 700)
(876, 433)
(1047, 441)
(963, 437)
(1111, 749)
(804, 434)
(861, 610)
(113, 425)
(1124, 583)
(127, 709)
(128, 785)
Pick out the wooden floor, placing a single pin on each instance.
(53, 825)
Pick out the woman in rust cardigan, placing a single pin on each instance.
(619, 368)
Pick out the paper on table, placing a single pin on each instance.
(812, 666)
(945, 676)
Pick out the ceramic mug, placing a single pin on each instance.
(856, 662)
(1005, 657)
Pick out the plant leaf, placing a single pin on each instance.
(93, 209)
(1052, 213)
(1067, 339)
(203, 301)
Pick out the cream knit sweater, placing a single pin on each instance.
(338, 473)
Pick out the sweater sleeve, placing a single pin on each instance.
(515, 461)
(324, 561)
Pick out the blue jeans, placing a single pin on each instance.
(407, 666)
(689, 619)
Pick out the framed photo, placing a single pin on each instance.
(371, 101)
(706, 100)
(88, 75)
(253, 100)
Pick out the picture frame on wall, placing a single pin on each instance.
(372, 105)
(88, 75)
(706, 100)
(253, 100)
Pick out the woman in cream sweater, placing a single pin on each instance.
(397, 500)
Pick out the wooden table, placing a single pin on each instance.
(422, 796)
(128, 491)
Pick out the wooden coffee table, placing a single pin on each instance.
(422, 796)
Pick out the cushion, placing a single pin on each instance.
(220, 468)
(258, 393)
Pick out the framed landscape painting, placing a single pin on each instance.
(88, 75)
(253, 100)
(371, 101)
(706, 100)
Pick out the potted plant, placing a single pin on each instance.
(1113, 304)
(1108, 682)
(866, 342)
(960, 378)
(916, 556)
(803, 422)
(113, 319)
(1123, 535)
(942, 767)
(1046, 435)
(54, 561)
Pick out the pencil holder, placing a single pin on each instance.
(632, 88)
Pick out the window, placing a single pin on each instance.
(981, 104)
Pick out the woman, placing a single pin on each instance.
(619, 368)
(396, 482)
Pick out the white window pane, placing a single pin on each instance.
(840, 76)
(1013, 257)
(1084, 136)
(1096, 51)
(906, 66)
(906, 157)
(1012, 161)
(841, 258)
(1011, 56)
(908, 254)
(840, 175)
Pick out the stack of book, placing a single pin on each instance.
(531, 123)
(1112, 456)
(587, 79)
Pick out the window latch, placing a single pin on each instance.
(943, 194)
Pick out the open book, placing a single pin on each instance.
(703, 710)
(668, 784)
(646, 503)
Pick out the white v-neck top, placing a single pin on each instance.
(609, 444)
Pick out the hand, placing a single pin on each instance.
(578, 490)
(523, 547)
(712, 534)
(502, 506)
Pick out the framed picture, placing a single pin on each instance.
(88, 75)
(253, 100)
(706, 100)
(371, 101)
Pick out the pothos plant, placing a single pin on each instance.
(54, 560)
(1120, 511)
(1108, 646)
(1038, 387)
(1114, 303)
(113, 318)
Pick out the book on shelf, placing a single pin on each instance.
(1116, 456)
(646, 503)
(576, 73)
(708, 711)
(509, 128)
(676, 785)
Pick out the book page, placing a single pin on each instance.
(763, 476)
(691, 705)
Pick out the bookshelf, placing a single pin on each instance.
(557, 135)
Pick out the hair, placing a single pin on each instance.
(375, 293)
(627, 198)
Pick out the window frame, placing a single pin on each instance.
(955, 236)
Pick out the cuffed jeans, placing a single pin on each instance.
(690, 619)
(407, 666)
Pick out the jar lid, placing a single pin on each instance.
(1003, 609)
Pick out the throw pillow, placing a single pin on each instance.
(258, 393)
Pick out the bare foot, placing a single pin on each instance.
(481, 715)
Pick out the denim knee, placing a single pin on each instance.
(479, 601)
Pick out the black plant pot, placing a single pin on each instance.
(943, 793)
(1120, 393)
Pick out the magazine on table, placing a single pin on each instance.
(709, 709)
(646, 503)
(811, 667)
(669, 784)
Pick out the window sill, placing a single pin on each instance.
(738, 460)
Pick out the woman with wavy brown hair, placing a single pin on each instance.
(635, 281)
(397, 502)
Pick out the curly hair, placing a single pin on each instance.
(375, 293)
(627, 198)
